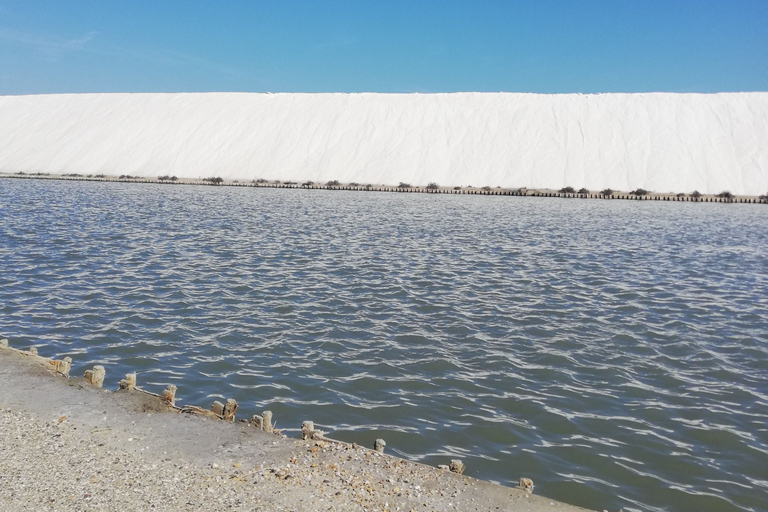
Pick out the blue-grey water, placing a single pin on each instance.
(615, 352)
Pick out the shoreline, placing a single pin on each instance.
(723, 197)
(70, 445)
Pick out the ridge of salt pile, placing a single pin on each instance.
(662, 142)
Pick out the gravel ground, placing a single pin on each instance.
(65, 445)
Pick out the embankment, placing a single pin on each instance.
(661, 142)
(69, 445)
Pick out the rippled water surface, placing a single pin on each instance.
(614, 352)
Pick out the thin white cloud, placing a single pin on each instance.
(49, 47)
(54, 48)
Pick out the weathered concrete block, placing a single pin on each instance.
(4, 342)
(379, 445)
(33, 351)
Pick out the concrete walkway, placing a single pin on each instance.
(66, 445)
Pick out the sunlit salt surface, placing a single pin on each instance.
(615, 352)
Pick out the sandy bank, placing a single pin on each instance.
(66, 445)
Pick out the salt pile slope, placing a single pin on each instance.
(662, 142)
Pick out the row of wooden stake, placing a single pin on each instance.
(220, 411)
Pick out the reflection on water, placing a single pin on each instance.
(614, 352)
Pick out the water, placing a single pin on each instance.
(614, 352)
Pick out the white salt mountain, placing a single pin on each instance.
(662, 142)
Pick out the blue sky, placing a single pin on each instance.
(545, 46)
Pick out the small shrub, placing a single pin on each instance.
(332, 183)
(404, 185)
(725, 195)
(639, 192)
(567, 190)
(260, 180)
(307, 183)
(696, 194)
(433, 186)
(164, 178)
(606, 192)
(456, 188)
(214, 180)
(174, 178)
(353, 184)
(290, 183)
(101, 176)
(486, 188)
(583, 191)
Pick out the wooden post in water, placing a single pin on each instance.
(379, 445)
(229, 410)
(62, 367)
(169, 394)
(99, 373)
(129, 382)
(267, 426)
(218, 408)
(95, 377)
(457, 466)
(307, 429)
(526, 484)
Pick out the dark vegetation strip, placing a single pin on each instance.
(639, 194)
